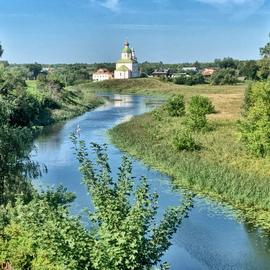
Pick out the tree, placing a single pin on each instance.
(15, 164)
(125, 234)
(264, 64)
(1, 50)
(10, 80)
(35, 69)
(249, 70)
(264, 69)
(265, 51)
(224, 76)
(226, 63)
(255, 125)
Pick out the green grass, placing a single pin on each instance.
(221, 170)
(227, 99)
(73, 102)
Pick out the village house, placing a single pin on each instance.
(207, 72)
(102, 74)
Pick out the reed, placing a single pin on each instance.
(221, 170)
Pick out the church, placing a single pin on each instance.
(127, 67)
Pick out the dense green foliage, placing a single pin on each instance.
(184, 140)
(42, 235)
(198, 108)
(15, 164)
(250, 70)
(200, 105)
(224, 76)
(125, 234)
(227, 62)
(255, 126)
(17, 112)
(1, 50)
(176, 105)
(192, 79)
(34, 70)
(265, 51)
(264, 69)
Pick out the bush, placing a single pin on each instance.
(176, 106)
(196, 121)
(185, 141)
(201, 105)
(224, 76)
(198, 108)
(255, 126)
(190, 79)
(126, 235)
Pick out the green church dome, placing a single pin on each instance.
(126, 50)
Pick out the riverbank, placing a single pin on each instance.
(228, 99)
(222, 170)
(73, 102)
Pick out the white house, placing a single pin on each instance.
(127, 67)
(102, 74)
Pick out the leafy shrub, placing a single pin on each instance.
(51, 103)
(42, 235)
(125, 234)
(224, 76)
(185, 141)
(190, 79)
(201, 105)
(255, 126)
(198, 108)
(176, 106)
(196, 121)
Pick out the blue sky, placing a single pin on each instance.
(70, 31)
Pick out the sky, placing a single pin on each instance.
(171, 31)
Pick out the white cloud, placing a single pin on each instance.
(113, 5)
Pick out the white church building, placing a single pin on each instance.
(127, 67)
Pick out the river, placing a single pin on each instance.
(209, 239)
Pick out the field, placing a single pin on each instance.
(228, 99)
(222, 170)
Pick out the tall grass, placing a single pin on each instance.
(221, 169)
(73, 101)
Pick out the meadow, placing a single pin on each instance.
(222, 170)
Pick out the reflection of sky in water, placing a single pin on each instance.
(206, 240)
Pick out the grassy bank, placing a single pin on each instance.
(73, 102)
(221, 170)
(228, 99)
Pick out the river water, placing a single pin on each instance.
(209, 239)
